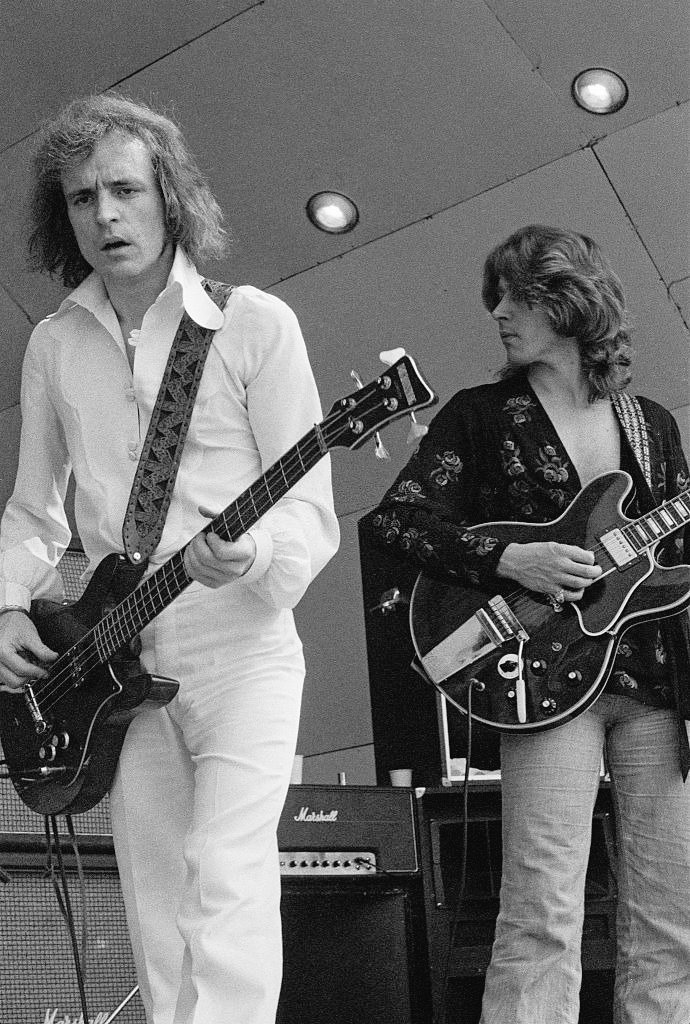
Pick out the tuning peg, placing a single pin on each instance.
(391, 356)
(381, 450)
(417, 430)
(389, 601)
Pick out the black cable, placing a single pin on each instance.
(441, 1015)
(65, 905)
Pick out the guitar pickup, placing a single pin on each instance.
(621, 550)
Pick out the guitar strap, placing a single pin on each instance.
(634, 425)
(631, 417)
(162, 449)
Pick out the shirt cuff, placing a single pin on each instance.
(15, 595)
(264, 553)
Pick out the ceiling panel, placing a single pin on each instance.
(649, 167)
(648, 43)
(680, 293)
(52, 51)
(15, 332)
(430, 275)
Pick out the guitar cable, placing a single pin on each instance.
(53, 843)
(440, 1016)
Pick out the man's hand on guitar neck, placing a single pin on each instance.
(23, 654)
(562, 571)
(215, 562)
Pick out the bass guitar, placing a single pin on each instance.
(63, 734)
(530, 662)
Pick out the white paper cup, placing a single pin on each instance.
(401, 777)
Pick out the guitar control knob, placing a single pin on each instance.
(548, 705)
(574, 677)
(538, 666)
(47, 753)
(60, 741)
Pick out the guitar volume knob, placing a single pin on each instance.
(574, 677)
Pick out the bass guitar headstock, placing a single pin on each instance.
(399, 391)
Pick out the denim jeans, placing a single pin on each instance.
(549, 781)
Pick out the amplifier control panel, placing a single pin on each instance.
(327, 863)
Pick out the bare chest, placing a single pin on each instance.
(591, 437)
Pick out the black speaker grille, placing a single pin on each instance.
(38, 983)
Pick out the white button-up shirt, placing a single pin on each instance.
(85, 412)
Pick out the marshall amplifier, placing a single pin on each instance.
(348, 830)
(352, 907)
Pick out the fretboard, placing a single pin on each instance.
(659, 523)
(161, 588)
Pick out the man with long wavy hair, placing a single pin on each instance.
(122, 213)
(521, 450)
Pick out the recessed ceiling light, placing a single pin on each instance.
(332, 212)
(600, 91)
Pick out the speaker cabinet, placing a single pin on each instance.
(404, 710)
(472, 919)
(352, 954)
(38, 983)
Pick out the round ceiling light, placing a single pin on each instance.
(332, 212)
(600, 91)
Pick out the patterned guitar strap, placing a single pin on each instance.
(633, 422)
(631, 417)
(160, 456)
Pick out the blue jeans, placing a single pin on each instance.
(549, 783)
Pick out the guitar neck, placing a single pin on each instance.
(660, 523)
(351, 421)
(161, 588)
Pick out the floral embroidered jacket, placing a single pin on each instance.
(492, 454)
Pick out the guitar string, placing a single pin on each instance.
(59, 683)
(515, 596)
(140, 598)
(141, 601)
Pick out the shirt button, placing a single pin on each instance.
(129, 394)
(133, 446)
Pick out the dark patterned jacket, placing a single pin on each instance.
(492, 454)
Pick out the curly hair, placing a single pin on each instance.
(566, 275)
(194, 219)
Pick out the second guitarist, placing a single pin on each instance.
(521, 450)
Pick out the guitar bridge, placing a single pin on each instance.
(500, 623)
(40, 724)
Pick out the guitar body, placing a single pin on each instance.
(65, 764)
(550, 662)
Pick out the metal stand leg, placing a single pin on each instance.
(116, 1011)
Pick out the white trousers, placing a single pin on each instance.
(195, 806)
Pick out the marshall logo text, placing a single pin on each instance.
(306, 815)
(55, 1017)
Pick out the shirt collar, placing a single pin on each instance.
(184, 280)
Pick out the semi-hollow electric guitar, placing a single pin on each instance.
(62, 735)
(532, 663)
